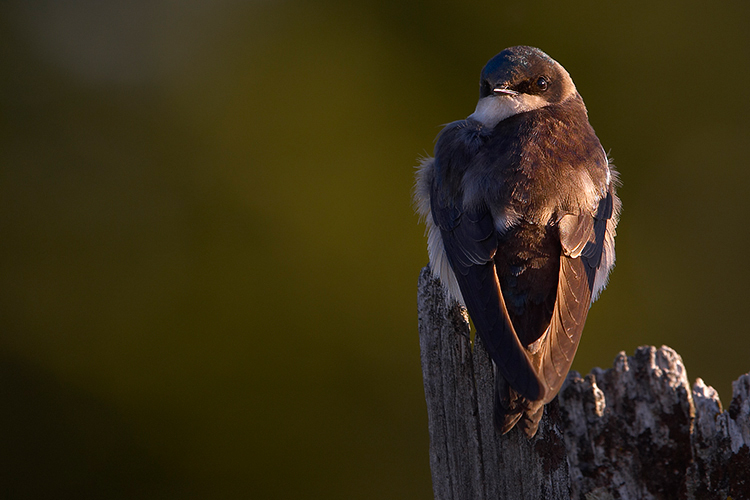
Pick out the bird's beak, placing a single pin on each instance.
(501, 91)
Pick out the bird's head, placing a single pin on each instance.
(520, 79)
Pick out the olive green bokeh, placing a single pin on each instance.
(209, 254)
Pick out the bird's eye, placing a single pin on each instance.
(542, 83)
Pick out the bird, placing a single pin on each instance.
(520, 206)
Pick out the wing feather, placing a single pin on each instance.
(470, 251)
(582, 237)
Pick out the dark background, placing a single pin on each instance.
(209, 255)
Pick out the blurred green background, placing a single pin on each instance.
(209, 255)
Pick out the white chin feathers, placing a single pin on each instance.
(493, 109)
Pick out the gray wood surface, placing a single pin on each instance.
(635, 431)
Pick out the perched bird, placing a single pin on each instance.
(520, 207)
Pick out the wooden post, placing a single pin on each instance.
(634, 431)
(469, 460)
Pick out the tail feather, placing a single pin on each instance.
(512, 409)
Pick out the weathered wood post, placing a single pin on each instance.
(634, 431)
